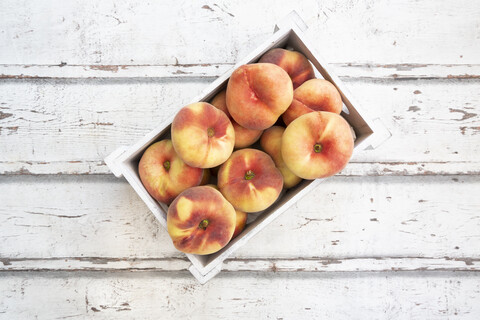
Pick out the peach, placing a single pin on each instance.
(313, 95)
(271, 143)
(241, 220)
(243, 137)
(250, 180)
(164, 174)
(317, 145)
(202, 135)
(294, 63)
(200, 221)
(257, 94)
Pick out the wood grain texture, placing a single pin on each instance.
(99, 218)
(241, 296)
(69, 126)
(394, 236)
(173, 265)
(111, 32)
(402, 71)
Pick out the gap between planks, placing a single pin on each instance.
(362, 264)
(406, 71)
(353, 169)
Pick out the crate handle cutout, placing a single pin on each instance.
(292, 19)
(380, 134)
(112, 161)
(205, 278)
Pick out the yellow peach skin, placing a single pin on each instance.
(257, 94)
(294, 63)
(200, 221)
(317, 145)
(202, 135)
(313, 95)
(271, 143)
(164, 174)
(249, 180)
(243, 137)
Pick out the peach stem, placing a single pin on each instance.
(166, 165)
(317, 148)
(210, 132)
(249, 175)
(203, 224)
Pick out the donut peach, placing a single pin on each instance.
(202, 135)
(317, 145)
(257, 94)
(313, 95)
(249, 180)
(271, 143)
(294, 63)
(200, 221)
(164, 174)
(243, 137)
(241, 220)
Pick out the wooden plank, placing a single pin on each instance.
(209, 70)
(346, 217)
(379, 264)
(354, 169)
(241, 295)
(69, 126)
(111, 33)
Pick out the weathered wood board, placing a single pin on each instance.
(90, 33)
(345, 217)
(69, 126)
(240, 295)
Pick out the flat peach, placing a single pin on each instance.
(294, 63)
(271, 143)
(257, 94)
(243, 137)
(249, 180)
(313, 95)
(164, 174)
(200, 221)
(317, 145)
(241, 220)
(202, 135)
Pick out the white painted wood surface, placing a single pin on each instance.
(434, 124)
(386, 219)
(165, 33)
(395, 236)
(241, 295)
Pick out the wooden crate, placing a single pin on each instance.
(288, 34)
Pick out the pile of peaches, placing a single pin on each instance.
(278, 101)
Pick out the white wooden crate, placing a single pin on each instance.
(288, 33)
